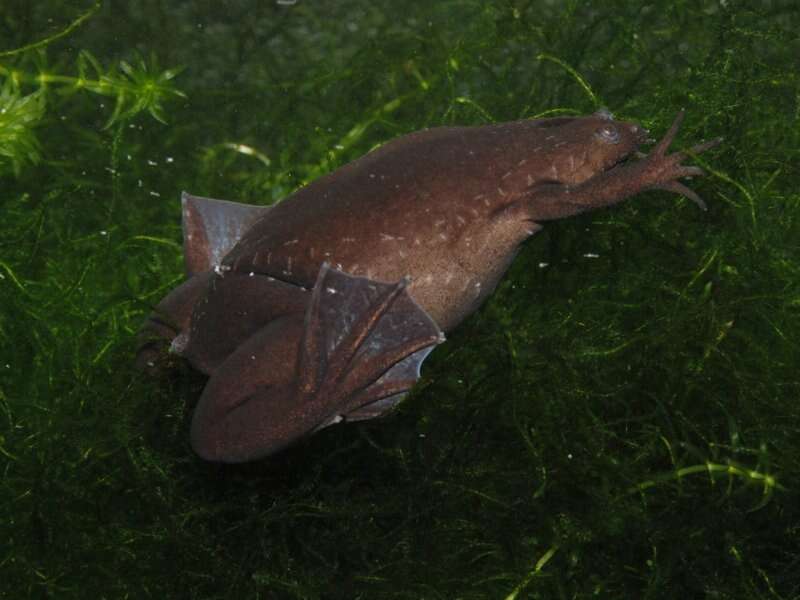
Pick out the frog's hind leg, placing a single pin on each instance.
(358, 345)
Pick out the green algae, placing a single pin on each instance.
(620, 420)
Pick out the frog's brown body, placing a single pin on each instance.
(293, 344)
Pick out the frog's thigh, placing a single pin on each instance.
(243, 410)
(236, 306)
(358, 342)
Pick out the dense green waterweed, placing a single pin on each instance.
(619, 421)
(135, 88)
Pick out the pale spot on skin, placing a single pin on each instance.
(290, 242)
(530, 179)
(460, 219)
(477, 197)
(506, 175)
(500, 191)
(439, 223)
(179, 343)
(522, 162)
(385, 237)
(416, 241)
(559, 144)
(330, 290)
(443, 236)
(348, 240)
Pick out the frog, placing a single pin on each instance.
(321, 308)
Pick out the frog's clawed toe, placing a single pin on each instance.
(703, 146)
(662, 146)
(668, 168)
(679, 188)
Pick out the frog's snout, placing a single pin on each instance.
(640, 134)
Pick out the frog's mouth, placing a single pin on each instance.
(631, 156)
(634, 153)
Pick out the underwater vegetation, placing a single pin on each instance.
(134, 88)
(619, 420)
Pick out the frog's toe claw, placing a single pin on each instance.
(703, 146)
(690, 172)
(662, 146)
(679, 188)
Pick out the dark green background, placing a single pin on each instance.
(623, 425)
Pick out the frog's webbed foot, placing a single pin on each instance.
(352, 355)
(363, 344)
(665, 169)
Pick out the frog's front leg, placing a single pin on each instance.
(359, 343)
(657, 170)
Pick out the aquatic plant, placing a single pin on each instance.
(619, 421)
(29, 88)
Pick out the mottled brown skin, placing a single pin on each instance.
(417, 234)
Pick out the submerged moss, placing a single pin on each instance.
(620, 420)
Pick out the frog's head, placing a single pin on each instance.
(577, 149)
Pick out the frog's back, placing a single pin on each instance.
(382, 208)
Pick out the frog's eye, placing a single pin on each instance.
(608, 133)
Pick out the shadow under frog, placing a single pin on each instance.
(322, 307)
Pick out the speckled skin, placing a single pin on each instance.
(442, 211)
(431, 205)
